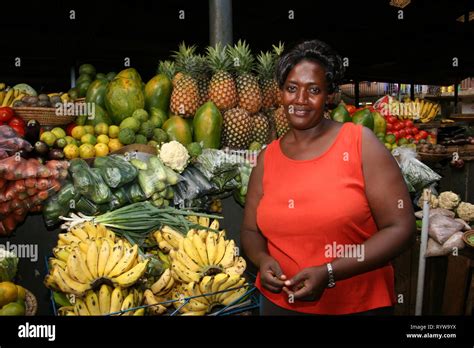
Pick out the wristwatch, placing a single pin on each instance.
(331, 280)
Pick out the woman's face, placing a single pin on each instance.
(304, 95)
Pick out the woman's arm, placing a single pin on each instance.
(391, 208)
(253, 242)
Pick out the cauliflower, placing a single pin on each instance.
(174, 155)
(465, 211)
(448, 200)
(434, 202)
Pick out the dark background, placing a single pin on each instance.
(416, 49)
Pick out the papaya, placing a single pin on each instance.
(207, 124)
(87, 69)
(158, 92)
(100, 115)
(340, 114)
(380, 125)
(178, 129)
(191, 125)
(96, 92)
(158, 117)
(124, 95)
(364, 117)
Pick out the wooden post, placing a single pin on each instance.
(220, 22)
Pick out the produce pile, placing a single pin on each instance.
(449, 220)
(24, 183)
(96, 272)
(12, 296)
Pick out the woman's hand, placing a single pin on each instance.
(308, 284)
(271, 276)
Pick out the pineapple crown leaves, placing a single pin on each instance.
(265, 67)
(185, 59)
(202, 66)
(218, 59)
(242, 59)
(167, 68)
(278, 49)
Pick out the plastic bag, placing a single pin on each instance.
(115, 170)
(416, 174)
(440, 211)
(454, 242)
(10, 142)
(194, 185)
(136, 194)
(442, 227)
(15, 168)
(90, 184)
(156, 177)
(52, 210)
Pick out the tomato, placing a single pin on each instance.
(391, 119)
(16, 121)
(408, 131)
(351, 109)
(397, 135)
(18, 129)
(409, 137)
(6, 114)
(408, 123)
(389, 126)
(402, 133)
(414, 130)
(417, 137)
(423, 134)
(397, 126)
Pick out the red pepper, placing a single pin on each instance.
(69, 128)
(20, 130)
(6, 114)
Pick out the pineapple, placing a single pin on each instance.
(237, 129)
(277, 51)
(280, 121)
(268, 84)
(248, 90)
(202, 79)
(167, 68)
(261, 131)
(222, 90)
(185, 95)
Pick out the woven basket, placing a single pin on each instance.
(45, 116)
(31, 304)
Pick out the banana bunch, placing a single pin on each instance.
(8, 97)
(88, 256)
(228, 289)
(201, 252)
(160, 292)
(105, 301)
(428, 111)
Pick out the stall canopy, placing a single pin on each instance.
(425, 43)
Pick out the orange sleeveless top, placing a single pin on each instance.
(310, 212)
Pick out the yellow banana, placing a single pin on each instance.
(68, 238)
(75, 287)
(127, 304)
(116, 256)
(201, 249)
(219, 279)
(158, 236)
(131, 277)
(184, 274)
(172, 236)
(193, 290)
(234, 297)
(116, 299)
(220, 250)
(214, 225)
(205, 286)
(229, 255)
(61, 254)
(80, 233)
(233, 281)
(8, 97)
(92, 259)
(181, 256)
(238, 267)
(154, 307)
(77, 268)
(2, 86)
(2, 96)
(162, 282)
(140, 312)
(165, 246)
(194, 313)
(105, 297)
(191, 251)
(90, 229)
(104, 254)
(54, 262)
(125, 262)
(203, 235)
(211, 247)
(92, 302)
(204, 221)
(80, 308)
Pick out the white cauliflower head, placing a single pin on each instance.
(465, 211)
(434, 202)
(448, 200)
(174, 155)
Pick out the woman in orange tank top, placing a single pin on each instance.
(327, 208)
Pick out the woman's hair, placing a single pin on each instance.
(316, 51)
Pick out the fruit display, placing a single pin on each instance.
(88, 256)
(423, 110)
(12, 299)
(106, 301)
(87, 77)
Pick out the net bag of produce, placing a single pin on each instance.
(417, 174)
(90, 184)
